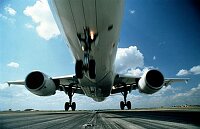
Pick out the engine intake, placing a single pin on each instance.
(40, 84)
(151, 82)
(34, 80)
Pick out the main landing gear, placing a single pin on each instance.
(70, 103)
(86, 64)
(125, 103)
(90, 66)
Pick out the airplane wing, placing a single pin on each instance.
(169, 81)
(17, 82)
(131, 83)
(64, 83)
(121, 80)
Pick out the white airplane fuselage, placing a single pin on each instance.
(102, 17)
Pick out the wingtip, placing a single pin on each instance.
(186, 80)
(8, 84)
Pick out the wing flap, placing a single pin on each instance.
(69, 81)
(66, 80)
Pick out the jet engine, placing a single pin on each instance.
(40, 84)
(151, 82)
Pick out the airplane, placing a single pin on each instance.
(91, 29)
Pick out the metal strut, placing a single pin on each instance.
(125, 93)
(69, 91)
(70, 94)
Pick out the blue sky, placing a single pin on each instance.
(163, 35)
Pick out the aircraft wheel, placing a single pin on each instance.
(66, 106)
(128, 104)
(73, 106)
(92, 69)
(122, 105)
(79, 69)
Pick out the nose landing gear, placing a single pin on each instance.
(87, 65)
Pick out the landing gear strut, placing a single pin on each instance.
(87, 64)
(70, 103)
(125, 103)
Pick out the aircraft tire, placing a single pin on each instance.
(66, 106)
(122, 105)
(73, 106)
(79, 69)
(92, 69)
(128, 104)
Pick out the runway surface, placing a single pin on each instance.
(101, 120)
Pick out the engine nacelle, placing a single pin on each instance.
(40, 84)
(151, 82)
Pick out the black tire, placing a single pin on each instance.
(92, 69)
(122, 105)
(128, 104)
(66, 106)
(79, 69)
(73, 106)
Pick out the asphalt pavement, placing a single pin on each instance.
(100, 120)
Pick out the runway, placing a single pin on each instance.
(133, 119)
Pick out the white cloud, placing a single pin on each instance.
(195, 70)
(13, 65)
(128, 58)
(138, 72)
(3, 17)
(183, 72)
(168, 96)
(29, 26)
(42, 16)
(135, 72)
(3, 86)
(11, 20)
(164, 91)
(191, 92)
(190, 97)
(10, 10)
(132, 11)
(154, 57)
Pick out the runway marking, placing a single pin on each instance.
(123, 123)
(99, 120)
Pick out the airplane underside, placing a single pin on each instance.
(92, 36)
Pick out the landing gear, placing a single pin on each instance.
(70, 103)
(92, 69)
(73, 106)
(67, 106)
(124, 103)
(128, 104)
(79, 69)
(87, 65)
